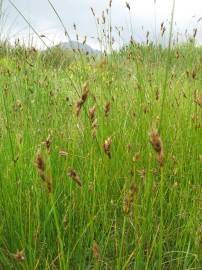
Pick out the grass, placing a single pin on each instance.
(81, 185)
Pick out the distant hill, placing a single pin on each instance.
(75, 45)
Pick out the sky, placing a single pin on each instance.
(144, 15)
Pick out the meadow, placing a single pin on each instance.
(101, 159)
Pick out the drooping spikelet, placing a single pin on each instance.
(83, 99)
(93, 120)
(157, 144)
(74, 176)
(128, 6)
(40, 164)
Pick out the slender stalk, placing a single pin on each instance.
(161, 229)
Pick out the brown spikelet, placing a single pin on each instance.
(40, 164)
(85, 92)
(193, 74)
(63, 153)
(19, 256)
(41, 168)
(93, 119)
(157, 144)
(157, 94)
(94, 128)
(92, 114)
(84, 96)
(195, 32)
(74, 176)
(128, 6)
(107, 108)
(96, 250)
(49, 185)
(129, 199)
(198, 100)
(47, 143)
(107, 146)
(84, 41)
(136, 157)
(79, 105)
(110, 3)
(103, 18)
(93, 12)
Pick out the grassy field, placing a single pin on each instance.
(101, 161)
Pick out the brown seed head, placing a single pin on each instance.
(93, 12)
(198, 100)
(92, 114)
(96, 250)
(74, 176)
(157, 144)
(128, 6)
(107, 146)
(40, 163)
(107, 108)
(19, 256)
(129, 199)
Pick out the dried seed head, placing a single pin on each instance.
(79, 105)
(74, 176)
(128, 6)
(193, 74)
(92, 114)
(19, 256)
(194, 32)
(83, 99)
(85, 91)
(63, 153)
(157, 94)
(103, 18)
(94, 128)
(157, 144)
(84, 41)
(40, 163)
(96, 250)
(136, 157)
(107, 146)
(107, 108)
(93, 12)
(47, 143)
(129, 199)
(198, 100)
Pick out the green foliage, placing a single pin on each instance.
(56, 57)
(128, 211)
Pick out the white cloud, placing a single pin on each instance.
(143, 13)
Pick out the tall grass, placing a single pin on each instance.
(83, 181)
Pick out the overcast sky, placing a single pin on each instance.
(144, 15)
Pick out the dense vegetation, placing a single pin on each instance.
(101, 159)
